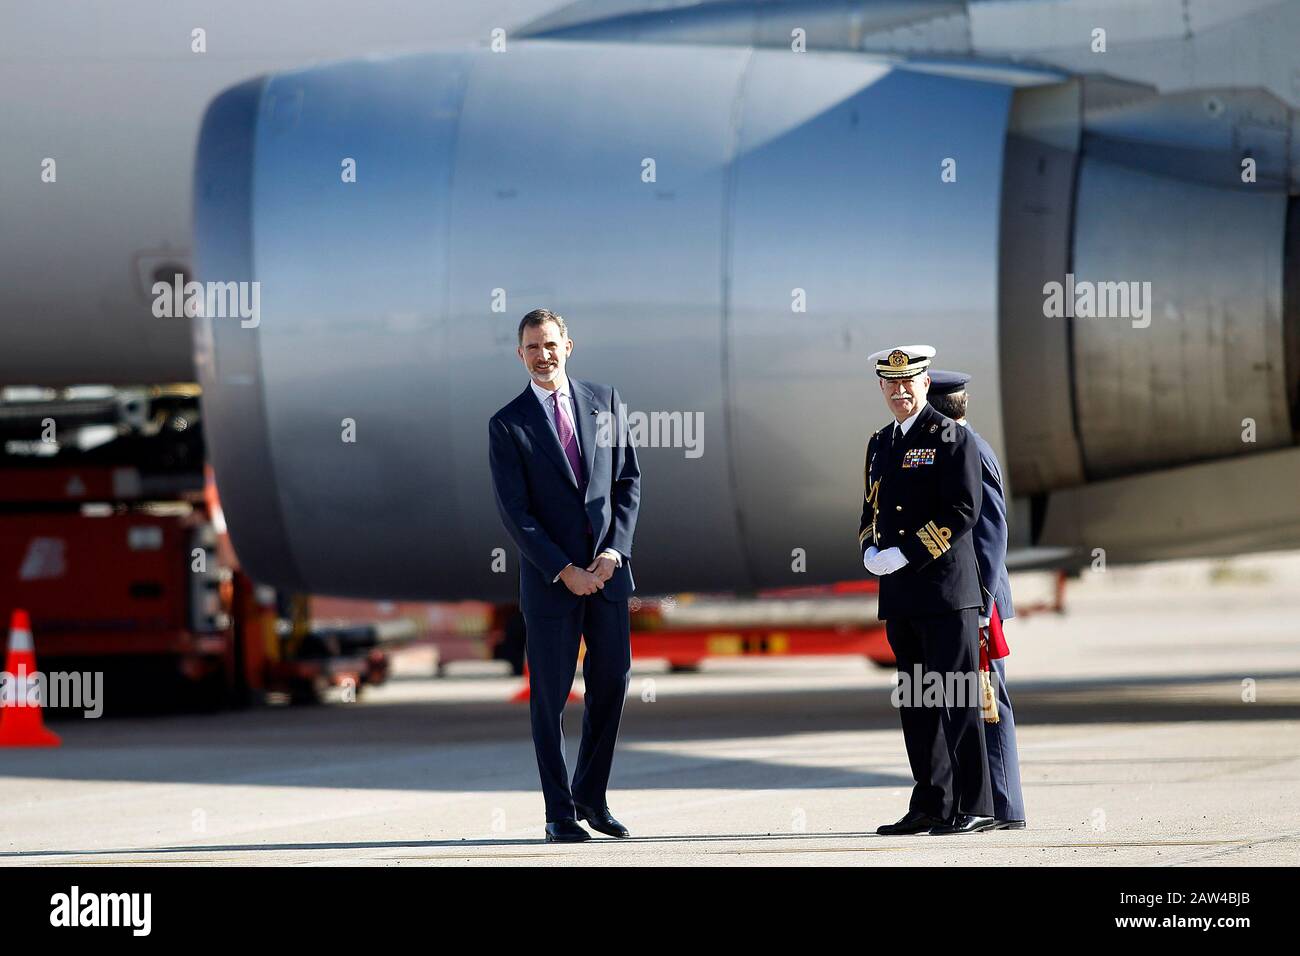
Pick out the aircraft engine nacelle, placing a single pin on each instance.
(728, 233)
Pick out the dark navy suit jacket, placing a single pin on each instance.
(539, 501)
(991, 534)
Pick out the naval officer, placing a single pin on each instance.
(922, 500)
(950, 396)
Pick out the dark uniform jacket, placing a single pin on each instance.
(991, 534)
(923, 496)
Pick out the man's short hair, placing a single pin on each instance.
(539, 317)
(953, 405)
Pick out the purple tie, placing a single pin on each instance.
(567, 440)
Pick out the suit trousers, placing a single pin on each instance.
(552, 648)
(945, 744)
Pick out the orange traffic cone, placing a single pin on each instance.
(523, 694)
(21, 724)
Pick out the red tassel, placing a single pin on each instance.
(998, 648)
(988, 699)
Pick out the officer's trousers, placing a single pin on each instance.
(945, 742)
(1004, 761)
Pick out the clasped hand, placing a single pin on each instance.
(590, 581)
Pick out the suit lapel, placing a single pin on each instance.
(584, 405)
(542, 434)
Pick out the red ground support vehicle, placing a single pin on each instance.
(116, 552)
(683, 630)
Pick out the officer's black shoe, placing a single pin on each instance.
(1009, 825)
(965, 823)
(914, 822)
(602, 820)
(566, 831)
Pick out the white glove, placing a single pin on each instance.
(869, 555)
(886, 562)
(984, 621)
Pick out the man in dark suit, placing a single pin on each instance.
(568, 488)
(949, 396)
(922, 500)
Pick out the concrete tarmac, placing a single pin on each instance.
(1159, 724)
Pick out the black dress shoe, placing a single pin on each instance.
(602, 820)
(964, 823)
(914, 822)
(1009, 825)
(566, 831)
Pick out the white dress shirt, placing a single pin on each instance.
(567, 408)
(906, 423)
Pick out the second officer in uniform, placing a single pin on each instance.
(921, 503)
